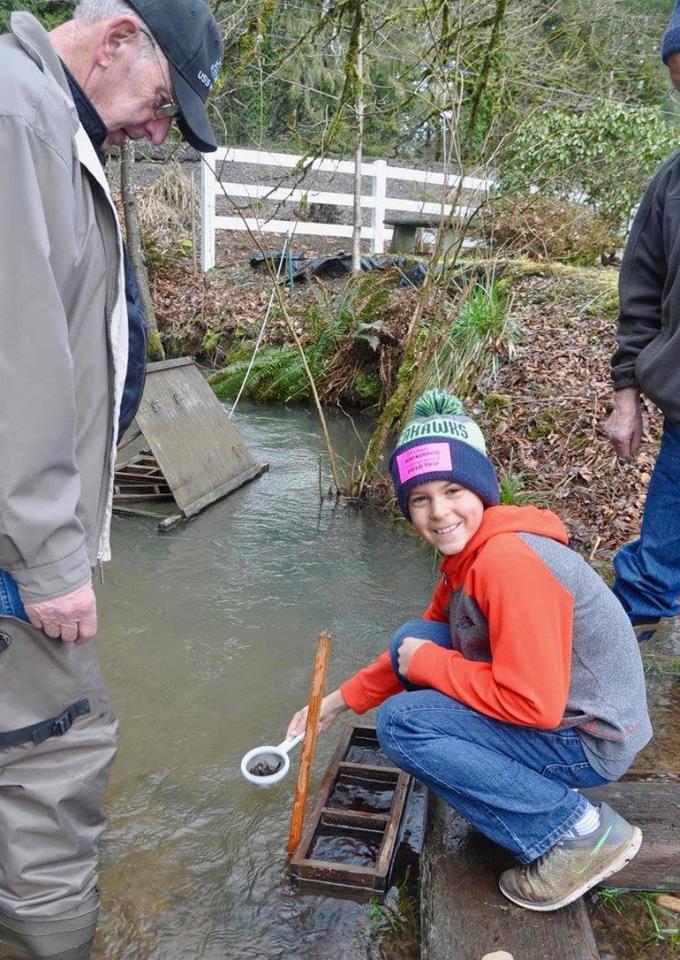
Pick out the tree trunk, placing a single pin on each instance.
(392, 411)
(485, 72)
(133, 234)
(359, 118)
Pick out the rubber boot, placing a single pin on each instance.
(49, 939)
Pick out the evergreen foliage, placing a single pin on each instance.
(50, 12)
(605, 155)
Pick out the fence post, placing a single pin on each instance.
(378, 213)
(207, 212)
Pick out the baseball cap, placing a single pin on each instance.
(186, 32)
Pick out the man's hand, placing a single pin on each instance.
(72, 618)
(407, 648)
(331, 708)
(673, 64)
(624, 426)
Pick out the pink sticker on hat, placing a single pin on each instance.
(425, 458)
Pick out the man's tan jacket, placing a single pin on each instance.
(63, 326)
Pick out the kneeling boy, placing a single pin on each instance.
(522, 682)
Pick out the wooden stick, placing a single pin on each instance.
(323, 655)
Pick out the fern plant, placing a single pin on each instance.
(277, 372)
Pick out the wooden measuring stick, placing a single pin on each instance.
(323, 656)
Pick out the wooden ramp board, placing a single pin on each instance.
(198, 450)
(350, 836)
(464, 915)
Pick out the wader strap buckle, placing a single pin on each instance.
(54, 727)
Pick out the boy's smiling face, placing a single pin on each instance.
(445, 514)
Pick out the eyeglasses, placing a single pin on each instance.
(170, 108)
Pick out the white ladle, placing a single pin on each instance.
(275, 759)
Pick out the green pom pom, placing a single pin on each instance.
(437, 401)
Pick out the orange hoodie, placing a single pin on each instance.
(529, 614)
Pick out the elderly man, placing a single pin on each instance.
(115, 70)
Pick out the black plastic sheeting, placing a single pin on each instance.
(415, 277)
(297, 267)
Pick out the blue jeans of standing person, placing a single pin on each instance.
(648, 569)
(513, 783)
(10, 601)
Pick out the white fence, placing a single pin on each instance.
(378, 202)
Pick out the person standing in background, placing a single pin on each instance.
(648, 361)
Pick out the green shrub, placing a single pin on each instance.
(604, 154)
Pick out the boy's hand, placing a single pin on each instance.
(407, 648)
(331, 708)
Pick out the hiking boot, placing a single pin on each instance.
(573, 865)
(645, 628)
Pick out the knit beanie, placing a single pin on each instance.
(440, 442)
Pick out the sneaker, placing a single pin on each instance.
(573, 865)
(645, 628)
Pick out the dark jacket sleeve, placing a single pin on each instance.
(641, 281)
(671, 38)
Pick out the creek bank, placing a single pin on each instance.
(542, 409)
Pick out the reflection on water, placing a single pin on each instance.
(347, 846)
(208, 639)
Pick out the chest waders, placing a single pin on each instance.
(57, 743)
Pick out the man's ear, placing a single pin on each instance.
(115, 38)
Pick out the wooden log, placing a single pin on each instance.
(655, 808)
(463, 913)
(323, 656)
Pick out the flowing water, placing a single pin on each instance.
(208, 639)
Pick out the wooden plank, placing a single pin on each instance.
(252, 473)
(388, 774)
(121, 511)
(299, 227)
(169, 364)
(272, 159)
(462, 867)
(170, 522)
(199, 451)
(326, 872)
(342, 815)
(463, 913)
(387, 849)
(134, 475)
(655, 808)
(149, 497)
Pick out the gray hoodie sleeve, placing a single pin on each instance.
(42, 541)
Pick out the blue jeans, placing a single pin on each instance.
(10, 601)
(511, 782)
(648, 569)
